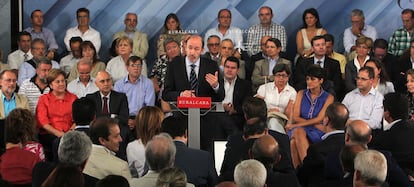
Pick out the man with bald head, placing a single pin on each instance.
(84, 84)
(266, 150)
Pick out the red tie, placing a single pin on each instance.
(105, 105)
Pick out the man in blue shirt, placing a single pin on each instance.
(10, 100)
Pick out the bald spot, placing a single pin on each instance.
(267, 145)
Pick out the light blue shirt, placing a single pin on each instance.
(139, 94)
(8, 105)
(27, 71)
(349, 37)
(272, 64)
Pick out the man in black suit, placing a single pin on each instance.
(311, 172)
(397, 137)
(405, 63)
(197, 164)
(333, 82)
(192, 76)
(116, 106)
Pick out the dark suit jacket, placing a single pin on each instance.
(275, 178)
(311, 173)
(399, 140)
(118, 104)
(333, 73)
(197, 164)
(242, 90)
(399, 77)
(176, 80)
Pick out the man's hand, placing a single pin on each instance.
(50, 55)
(355, 30)
(188, 93)
(228, 107)
(212, 79)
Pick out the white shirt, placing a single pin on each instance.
(233, 33)
(349, 37)
(356, 63)
(117, 68)
(387, 126)
(16, 58)
(67, 63)
(136, 156)
(91, 34)
(274, 99)
(229, 90)
(79, 89)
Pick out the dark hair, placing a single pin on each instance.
(174, 17)
(100, 129)
(275, 41)
(83, 9)
(75, 39)
(318, 37)
(408, 11)
(23, 33)
(223, 10)
(336, 118)
(383, 72)
(397, 105)
(316, 71)
(9, 71)
(381, 43)
(112, 49)
(174, 126)
(348, 154)
(20, 126)
(254, 126)
(83, 111)
(113, 180)
(170, 40)
(37, 40)
(314, 13)
(37, 10)
(232, 59)
(133, 59)
(254, 107)
(280, 67)
(329, 38)
(89, 44)
(65, 175)
(369, 70)
(270, 9)
(213, 36)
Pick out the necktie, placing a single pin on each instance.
(319, 63)
(105, 105)
(193, 78)
(26, 56)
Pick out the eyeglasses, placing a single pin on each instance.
(281, 75)
(362, 79)
(84, 73)
(213, 44)
(135, 65)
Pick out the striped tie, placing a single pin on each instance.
(193, 78)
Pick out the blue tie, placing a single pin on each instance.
(193, 78)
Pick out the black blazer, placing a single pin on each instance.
(176, 80)
(242, 90)
(399, 77)
(118, 104)
(197, 164)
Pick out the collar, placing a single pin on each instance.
(31, 29)
(232, 82)
(275, 59)
(315, 60)
(126, 79)
(3, 97)
(108, 96)
(326, 135)
(91, 79)
(81, 127)
(188, 62)
(390, 125)
(104, 148)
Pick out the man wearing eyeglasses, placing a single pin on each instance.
(213, 46)
(10, 100)
(365, 102)
(84, 84)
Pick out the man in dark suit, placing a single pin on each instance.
(213, 45)
(197, 164)
(192, 76)
(397, 137)
(311, 172)
(333, 82)
(405, 63)
(116, 106)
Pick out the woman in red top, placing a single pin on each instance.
(54, 110)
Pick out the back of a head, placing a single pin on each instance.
(113, 180)
(172, 177)
(100, 129)
(254, 107)
(174, 126)
(74, 148)
(83, 111)
(358, 132)
(250, 173)
(254, 126)
(148, 122)
(64, 175)
(20, 126)
(370, 168)
(396, 105)
(266, 150)
(348, 154)
(160, 152)
(338, 115)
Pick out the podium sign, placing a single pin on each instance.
(194, 102)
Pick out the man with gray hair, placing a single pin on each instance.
(250, 173)
(160, 154)
(358, 29)
(74, 150)
(370, 168)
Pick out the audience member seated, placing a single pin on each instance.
(330, 43)
(266, 150)
(213, 46)
(381, 81)
(262, 72)
(21, 154)
(117, 65)
(198, 165)
(370, 169)
(363, 48)
(83, 30)
(73, 152)
(410, 94)
(3, 66)
(171, 29)
(251, 60)
(308, 113)
(332, 80)
(160, 153)
(9, 99)
(28, 68)
(88, 52)
(265, 27)
(250, 173)
(400, 39)
(138, 88)
(279, 97)
(38, 31)
(397, 135)
(64, 175)
(172, 177)
(69, 61)
(54, 111)
(311, 173)
(365, 102)
(311, 27)
(147, 125)
(22, 54)
(36, 86)
(105, 135)
(113, 180)
(84, 84)
(405, 63)
(226, 51)
(139, 39)
(389, 61)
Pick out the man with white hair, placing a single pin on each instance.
(250, 173)
(370, 168)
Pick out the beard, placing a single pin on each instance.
(43, 80)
